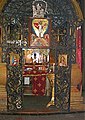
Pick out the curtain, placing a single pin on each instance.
(78, 47)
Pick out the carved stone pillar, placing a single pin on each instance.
(3, 92)
(76, 88)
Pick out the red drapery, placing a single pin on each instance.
(78, 47)
(78, 52)
(38, 85)
(38, 79)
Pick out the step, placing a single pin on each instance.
(75, 95)
(75, 92)
(78, 106)
(27, 91)
(3, 109)
(74, 88)
(30, 94)
(76, 98)
(3, 91)
(2, 87)
(3, 96)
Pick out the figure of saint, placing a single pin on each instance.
(15, 62)
(40, 29)
(62, 61)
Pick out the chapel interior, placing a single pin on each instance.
(39, 72)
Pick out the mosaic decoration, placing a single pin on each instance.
(14, 20)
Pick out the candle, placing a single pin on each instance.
(53, 67)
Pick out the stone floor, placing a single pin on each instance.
(77, 107)
(75, 115)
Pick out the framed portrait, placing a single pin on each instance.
(14, 59)
(39, 32)
(62, 60)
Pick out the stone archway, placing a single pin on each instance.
(15, 15)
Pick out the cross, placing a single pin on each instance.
(58, 34)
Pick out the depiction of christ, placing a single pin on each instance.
(40, 28)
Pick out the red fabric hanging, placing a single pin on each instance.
(78, 52)
(38, 85)
(78, 47)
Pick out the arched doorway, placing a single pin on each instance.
(62, 45)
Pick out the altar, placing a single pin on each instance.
(35, 77)
(35, 69)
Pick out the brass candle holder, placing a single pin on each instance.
(51, 80)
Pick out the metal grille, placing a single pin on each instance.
(15, 37)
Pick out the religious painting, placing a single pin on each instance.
(0, 35)
(14, 59)
(36, 56)
(62, 60)
(39, 32)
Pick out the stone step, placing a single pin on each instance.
(79, 106)
(74, 89)
(76, 75)
(2, 91)
(27, 90)
(3, 97)
(75, 95)
(76, 102)
(76, 98)
(2, 87)
(30, 94)
(75, 92)
(3, 101)
(3, 105)
(3, 108)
